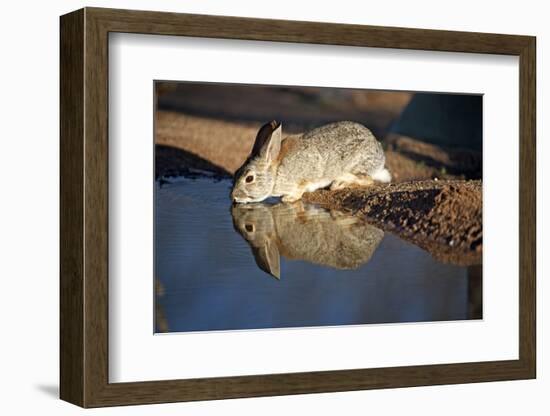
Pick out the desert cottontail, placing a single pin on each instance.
(336, 155)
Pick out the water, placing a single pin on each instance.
(276, 265)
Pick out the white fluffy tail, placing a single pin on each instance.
(382, 175)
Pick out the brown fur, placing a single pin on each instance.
(287, 145)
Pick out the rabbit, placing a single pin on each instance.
(338, 155)
(300, 231)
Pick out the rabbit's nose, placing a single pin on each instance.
(235, 196)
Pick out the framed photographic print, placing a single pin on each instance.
(255, 207)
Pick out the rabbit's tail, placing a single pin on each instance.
(382, 175)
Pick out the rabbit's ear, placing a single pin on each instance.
(267, 258)
(268, 141)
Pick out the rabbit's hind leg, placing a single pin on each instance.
(295, 193)
(349, 180)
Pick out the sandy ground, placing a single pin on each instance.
(431, 202)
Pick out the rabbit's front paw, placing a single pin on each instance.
(291, 198)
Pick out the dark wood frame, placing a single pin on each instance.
(84, 207)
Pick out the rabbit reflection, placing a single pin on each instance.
(299, 231)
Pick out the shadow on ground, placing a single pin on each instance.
(171, 161)
(51, 390)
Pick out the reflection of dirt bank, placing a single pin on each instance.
(443, 217)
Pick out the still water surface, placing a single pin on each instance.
(277, 265)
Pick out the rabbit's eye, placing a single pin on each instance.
(249, 228)
(249, 178)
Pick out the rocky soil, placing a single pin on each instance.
(442, 217)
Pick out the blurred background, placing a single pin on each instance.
(212, 126)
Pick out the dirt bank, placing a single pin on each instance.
(443, 217)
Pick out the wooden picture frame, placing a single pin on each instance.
(84, 207)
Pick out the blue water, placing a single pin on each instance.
(209, 276)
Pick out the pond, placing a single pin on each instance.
(275, 265)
